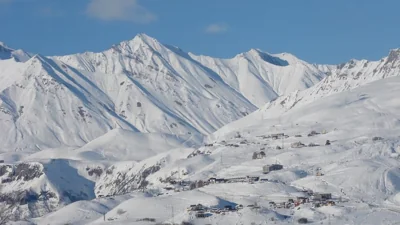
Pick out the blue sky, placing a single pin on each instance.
(318, 31)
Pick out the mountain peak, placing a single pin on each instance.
(4, 47)
(394, 55)
(264, 56)
(254, 51)
(139, 41)
(144, 39)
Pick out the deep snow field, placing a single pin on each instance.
(362, 173)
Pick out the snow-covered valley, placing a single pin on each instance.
(144, 133)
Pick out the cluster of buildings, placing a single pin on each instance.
(259, 155)
(275, 136)
(248, 179)
(272, 167)
(315, 199)
(202, 211)
(301, 145)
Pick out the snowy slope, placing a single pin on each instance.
(341, 78)
(93, 134)
(362, 174)
(262, 77)
(139, 85)
(48, 107)
(258, 76)
(169, 79)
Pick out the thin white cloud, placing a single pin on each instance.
(216, 28)
(119, 10)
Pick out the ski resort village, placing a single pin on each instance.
(146, 134)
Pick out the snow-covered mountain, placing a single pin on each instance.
(93, 134)
(139, 85)
(341, 78)
(262, 77)
(359, 168)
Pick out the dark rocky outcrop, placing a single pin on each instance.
(123, 182)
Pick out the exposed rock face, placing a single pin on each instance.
(118, 181)
(30, 190)
(28, 172)
(95, 171)
(22, 171)
(394, 56)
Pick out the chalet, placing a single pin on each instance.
(313, 133)
(280, 204)
(191, 207)
(277, 136)
(319, 173)
(261, 154)
(237, 207)
(322, 196)
(229, 207)
(184, 183)
(258, 155)
(312, 145)
(212, 180)
(303, 200)
(330, 203)
(297, 145)
(236, 179)
(377, 138)
(272, 204)
(252, 179)
(273, 167)
(220, 180)
(198, 208)
(215, 210)
(316, 205)
(201, 215)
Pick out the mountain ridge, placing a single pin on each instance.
(145, 86)
(110, 129)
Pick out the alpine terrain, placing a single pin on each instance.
(145, 133)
